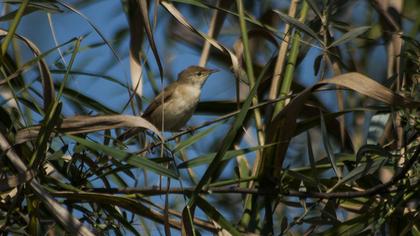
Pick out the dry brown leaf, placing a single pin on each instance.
(216, 24)
(370, 88)
(47, 82)
(284, 124)
(144, 13)
(87, 124)
(63, 216)
(182, 20)
(12, 181)
(136, 40)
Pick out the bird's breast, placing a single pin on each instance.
(186, 97)
(178, 108)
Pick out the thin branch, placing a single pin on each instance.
(207, 123)
(63, 216)
(378, 189)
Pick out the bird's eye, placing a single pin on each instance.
(199, 73)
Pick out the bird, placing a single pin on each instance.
(177, 102)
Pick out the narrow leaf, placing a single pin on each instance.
(193, 139)
(299, 25)
(88, 124)
(131, 159)
(352, 34)
(363, 169)
(328, 148)
(215, 215)
(205, 159)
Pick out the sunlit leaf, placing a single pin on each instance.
(193, 139)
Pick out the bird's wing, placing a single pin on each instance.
(157, 101)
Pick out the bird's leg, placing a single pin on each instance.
(187, 130)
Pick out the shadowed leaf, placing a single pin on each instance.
(299, 25)
(135, 160)
(352, 34)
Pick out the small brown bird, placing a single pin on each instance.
(179, 102)
(179, 99)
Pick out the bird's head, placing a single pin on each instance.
(195, 75)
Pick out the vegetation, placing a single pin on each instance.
(312, 127)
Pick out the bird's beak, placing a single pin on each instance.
(211, 71)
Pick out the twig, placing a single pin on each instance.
(378, 189)
(62, 215)
(207, 123)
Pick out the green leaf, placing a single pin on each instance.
(187, 221)
(213, 214)
(114, 212)
(134, 206)
(351, 227)
(328, 148)
(317, 64)
(42, 142)
(230, 137)
(13, 26)
(207, 158)
(314, 8)
(299, 25)
(352, 34)
(70, 65)
(415, 231)
(371, 149)
(36, 59)
(193, 139)
(311, 157)
(307, 180)
(131, 159)
(363, 169)
(210, 6)
(244, 171)
(109, 78)
(313, 121)
(84, 100)
(32, 7)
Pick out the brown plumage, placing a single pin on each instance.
(179, 101)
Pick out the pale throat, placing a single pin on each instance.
(189, 91)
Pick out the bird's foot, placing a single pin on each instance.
(188, 130)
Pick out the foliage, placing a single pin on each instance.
(319, 134)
